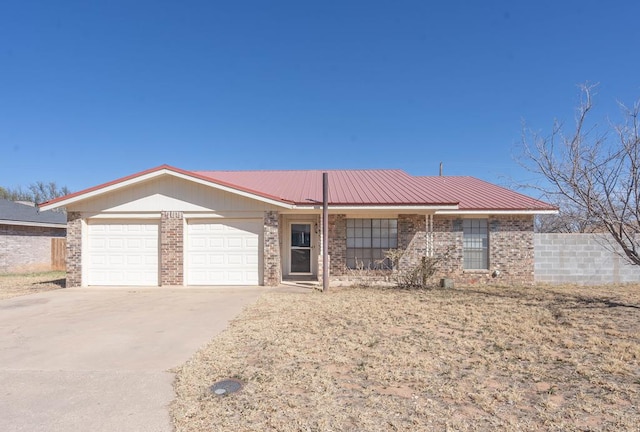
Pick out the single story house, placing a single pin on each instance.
(171, 227)
(27, 236)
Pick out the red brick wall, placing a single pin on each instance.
(510, 247)
(27, 248)
(510, 250)
(272, 263)
(412, 238)
(337, 245)
(171, 248)
(74, 250)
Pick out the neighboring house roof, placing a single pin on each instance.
(13, 213)
(358, 188)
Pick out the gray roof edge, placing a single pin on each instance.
(12, 211)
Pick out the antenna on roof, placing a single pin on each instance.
(440, 169)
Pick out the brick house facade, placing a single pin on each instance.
(29, 239)
(510, 247)
(261, 238)
(27, 248)
(510, 250)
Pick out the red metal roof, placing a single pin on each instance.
(346, 187)
(353, 188)
(379, 187)
(476, 194)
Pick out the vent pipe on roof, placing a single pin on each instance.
(440, 169)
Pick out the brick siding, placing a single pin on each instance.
(26, 248)
(447, 245)
(74, 249)
(412, 238)
(510, 247)
(272, 274)
(337, 244)
(171, 248)
(511, 251)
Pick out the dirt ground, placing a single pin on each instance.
(374, 359)
(13, 285)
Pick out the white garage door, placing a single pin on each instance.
(122, 253)
(223, 253)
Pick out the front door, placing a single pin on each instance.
(300, 248)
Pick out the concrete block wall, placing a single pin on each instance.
(25, 248)
(586, 259)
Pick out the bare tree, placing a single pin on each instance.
(569, 219)
(595, 173)
(37, 192)
(42, 192)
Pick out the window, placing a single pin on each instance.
(475, 240)
(368, 240)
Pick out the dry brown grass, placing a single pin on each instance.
(14, 285)
(482, 358)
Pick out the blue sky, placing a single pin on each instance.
(94, 90)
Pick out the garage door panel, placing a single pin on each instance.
(115, 243)
(216, 243)
(99, 243)
(235, 243)
(231, 251)
(235, 276)
(199, 259)
(123, 253)
(198, 243)
(97, 260)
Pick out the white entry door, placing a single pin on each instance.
(122, 253)
(223, 252)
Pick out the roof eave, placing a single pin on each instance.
(497, 211)
(385, 207)
(34, 224)
(157, 172)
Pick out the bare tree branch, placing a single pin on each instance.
(592, 177)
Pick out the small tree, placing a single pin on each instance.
(594, 173)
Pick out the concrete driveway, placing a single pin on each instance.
(98, 359)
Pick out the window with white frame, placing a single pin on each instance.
(475, 244)
(368, 240)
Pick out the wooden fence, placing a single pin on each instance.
(58, 254)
